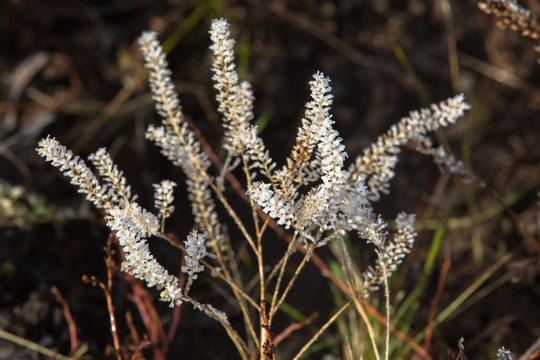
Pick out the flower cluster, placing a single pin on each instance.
(195, 251)
(312, 193)
(133, 225)
(504, 354)
(376, 165)
(390, 254)
(163, 196)
(511, 15)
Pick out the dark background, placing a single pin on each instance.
(63, 62)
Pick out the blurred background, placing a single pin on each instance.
(72, 69)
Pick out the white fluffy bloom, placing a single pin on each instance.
(376, 165)
(504, 354)
(133, 225)
(195, 251)
(163, 195)
(278, 208)
(76, 169)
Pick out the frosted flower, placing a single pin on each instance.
(195, 251)
(163, 196)
(504, 354)
(76, 169)
(132, 225)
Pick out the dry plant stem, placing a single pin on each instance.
(132, 329)
(359, 304)
(110, 307)
(228, 278)
(344, 259)
(262, 286)
(268, 347)
(69, 319)
(275, 270)
(260, 260)
(239, 294)
(32, 346)
(436, 298)
(283, 261)
(410, 342)
(171, 239)
(151, 319)
(307, 255)
(293, 327)
(459, 304)
(533, 349)
(349, 353)
(387, 304)
(233, 286)
(322, 329)
(139, 344)
(217, 251)
(137, 294)
(451, 41)
(107, 290)
(241, 346)
(112, 107)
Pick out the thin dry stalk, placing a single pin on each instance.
(295, 326)
(110, 307)
(304, 261)
(360, 308)
(322, 329)
(32, 346)
(436, 298)
(283, 261)
(69, 319)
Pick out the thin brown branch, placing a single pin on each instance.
(436, 299)
(74, 343)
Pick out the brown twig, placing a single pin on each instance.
(268, 347)
(132, 329)
(107, 291)
(150, 319)
(137, 342)
(74, 343)
(382, 319)
(110, 307)
(295, 326)
(436, 299)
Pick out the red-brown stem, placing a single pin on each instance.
(69, 319)
(132, 329)
(382, 319)
(148, 320)
(148, 314)
(436, 298)
(110, 267)
(114, 329)
(268, 347)
(293, 327)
